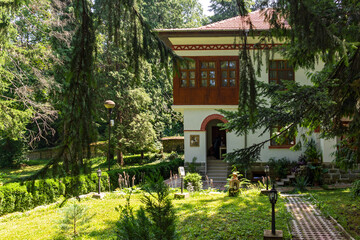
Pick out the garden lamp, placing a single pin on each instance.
(109, 105)
(267, 170)
(273, 196)
(99, 176)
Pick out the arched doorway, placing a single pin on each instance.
(216, 145)
(215, 140)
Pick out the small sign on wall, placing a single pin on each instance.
(194, 140)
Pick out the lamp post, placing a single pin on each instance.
(99, 176)
(273, 196)
(109, 105)
(267, 170)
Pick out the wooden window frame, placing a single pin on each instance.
(207, 70)
(277, 70)
(218, 71)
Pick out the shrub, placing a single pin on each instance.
(280, 168)
(75, 217)
(355, 188)
(12, 152)
(301, 183)
(194, 179)
(163, 169)
(24, 196)
(155, 221)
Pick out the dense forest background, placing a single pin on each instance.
(61, 59)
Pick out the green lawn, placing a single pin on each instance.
(341, 206)
(9, 174)
(202, 216)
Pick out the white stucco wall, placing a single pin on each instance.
(195, 114)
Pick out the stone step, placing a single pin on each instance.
(217, 175)
(280, 183)
(211, 168)
(292, 176)
(216, 171)
(217, 164)
(217, 179)
(285, 180)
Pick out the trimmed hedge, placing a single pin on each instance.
(162, 168)
(24, 196)
(136, 159)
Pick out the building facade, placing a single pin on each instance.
(210, 82)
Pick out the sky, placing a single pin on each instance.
(205, 5)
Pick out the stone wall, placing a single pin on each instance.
(98, 149)
(335, 175)
(171, 144)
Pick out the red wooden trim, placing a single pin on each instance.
(223, 46)
(280, 147)
(212, 117)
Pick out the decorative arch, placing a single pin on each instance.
(212, 117)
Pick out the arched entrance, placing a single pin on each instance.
(215, 140)
(216, 145)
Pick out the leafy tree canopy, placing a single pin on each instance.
(313, 31)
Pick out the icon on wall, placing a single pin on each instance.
(194, 140)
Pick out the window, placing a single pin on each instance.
(228, 73)
(286, 140)
(208, 74)
(187, 73)
(280, 70)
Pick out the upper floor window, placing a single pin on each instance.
(228, 73)
(208, 74)
(212, 72)
(280, 70)
(187, 73)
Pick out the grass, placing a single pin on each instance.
(341, 206)
(32, 166)
(10, 174)
(202, 216)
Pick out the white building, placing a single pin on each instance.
(210, 83)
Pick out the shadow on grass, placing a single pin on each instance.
(242, 217)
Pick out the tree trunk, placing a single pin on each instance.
(142, 154)
(120, 157)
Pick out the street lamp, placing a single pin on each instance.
(273, 196)
(267, 170)
(109, 105)
(99, 176)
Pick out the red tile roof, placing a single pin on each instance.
(257, 19)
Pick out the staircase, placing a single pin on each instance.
(286, 181)
(217, 170)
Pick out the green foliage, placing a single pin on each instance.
(223, 9)
(160, 222)
(355, 188)
(300, 184)
(133, 226)
(20, 197)
(280, 168)
(12, 152)
(163, 169)
(159, 207)
(312, 153)
(194, 179)
(75, 217)
(311, 36)
(192, 165)
(172, 13)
